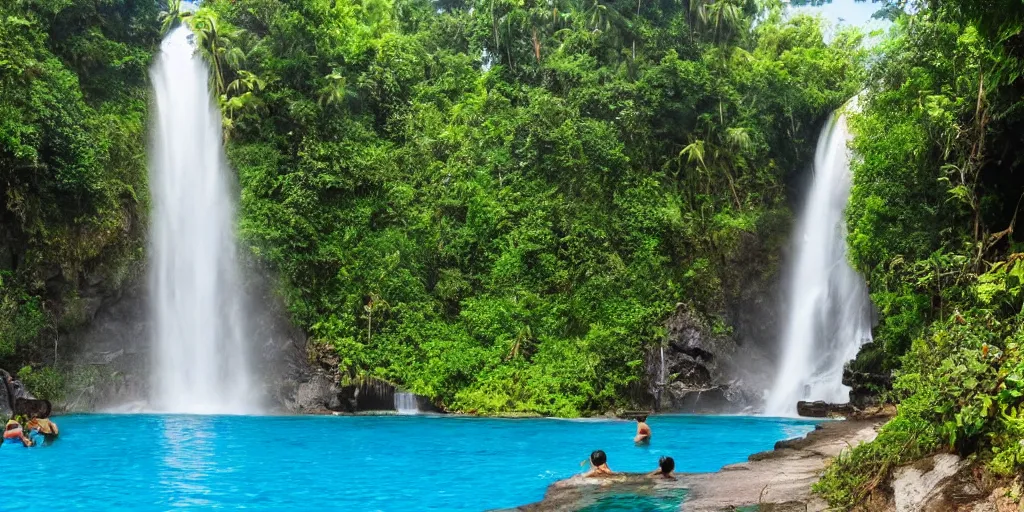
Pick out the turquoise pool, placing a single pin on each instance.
(366, 463)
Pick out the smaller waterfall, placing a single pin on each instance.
(829, 311)
(661, 373)
(659, 388)
(405, 403)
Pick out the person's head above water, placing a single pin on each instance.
(641, 419)
(598, 458)
(667, 465)
(11, 425)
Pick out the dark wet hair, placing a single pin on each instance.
(598, 458)
(12, 426)
(666, 464)
(641, 418)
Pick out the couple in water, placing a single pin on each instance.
(599, 461)
(599, 467)
(16, 435)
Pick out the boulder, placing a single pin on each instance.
(32, 408)
(916, 485)
(6, 396)
(318, 394)
(16, 399)
(820, 409)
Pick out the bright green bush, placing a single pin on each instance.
(45, 383)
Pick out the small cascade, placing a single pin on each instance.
(405, 403)
(829, 315)
(661, 374)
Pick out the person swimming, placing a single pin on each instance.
(45, 427)
(13, 434)
(598, 465)
(643, 431)
(665, 467)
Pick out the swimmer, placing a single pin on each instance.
(45, 427)
(598, 465)
(14, 435)
(665, 467)
(643, 432)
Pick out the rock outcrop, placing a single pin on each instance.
(697, 370)
(865, 388)
(109, 353)
(820, 409)
(945, 482)
(11, 393)
(915, 486)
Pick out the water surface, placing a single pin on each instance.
(398, 463)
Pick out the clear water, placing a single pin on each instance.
(397, 463)
(659, 501)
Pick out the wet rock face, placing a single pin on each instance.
(110, 353)
(699, 371)
(110, 357)
(865, 387)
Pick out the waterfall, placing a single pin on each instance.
(199, 358)
(829, 315)
(661, 373)
(405, 403)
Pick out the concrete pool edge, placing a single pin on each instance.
(783, 475)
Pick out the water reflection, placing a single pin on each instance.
(188, 450)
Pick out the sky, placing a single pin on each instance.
(845, 12)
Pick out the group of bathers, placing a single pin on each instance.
(35, 431)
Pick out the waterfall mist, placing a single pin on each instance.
(829, 311)
(200, 361)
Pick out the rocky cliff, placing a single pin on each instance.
(697, 370)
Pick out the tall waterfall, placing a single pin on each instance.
(829, 309)
(199, 359)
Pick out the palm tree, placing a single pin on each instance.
(725, 17)
(172, 16)
(218, 43)
(733, 144)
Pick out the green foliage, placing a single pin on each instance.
(937, 192)
(495, 205)
(45, 383)
(72, 159)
